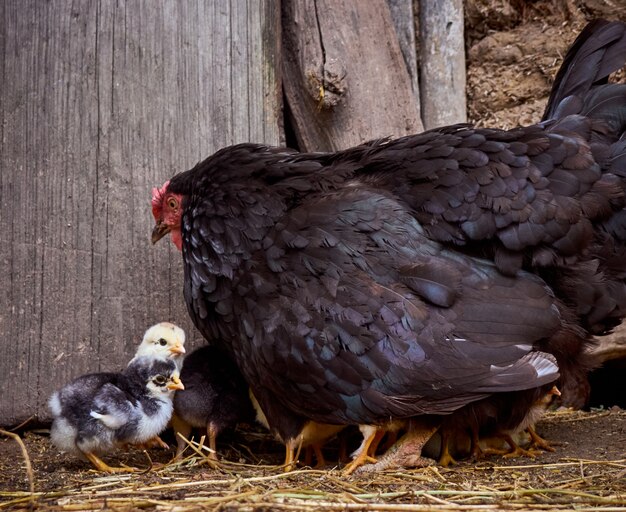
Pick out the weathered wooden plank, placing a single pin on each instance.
(99, 102)
(442, 63)
(344, 75)
(402, 16)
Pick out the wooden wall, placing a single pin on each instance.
(99, 102)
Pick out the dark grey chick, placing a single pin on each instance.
(215, 397)
(98, 412)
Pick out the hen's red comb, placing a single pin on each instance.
(157, 199)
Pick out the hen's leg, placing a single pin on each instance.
(371, 434)
(407, 452)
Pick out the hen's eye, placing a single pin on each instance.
(162, 342)
(160, 380)
(172, 203)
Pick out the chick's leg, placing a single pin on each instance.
(476, 451)
(292, 452)
(517, 450)
(155, 442)
(182, 430)
(314, 449)
(212, 432)
(538, 442)
(290, 459)
(308, 456)
(445, 457)
(375, 443)
(319, 456)
(100, 465)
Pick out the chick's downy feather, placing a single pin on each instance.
(163, 341)
(98, 412)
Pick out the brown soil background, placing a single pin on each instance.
(514, 48)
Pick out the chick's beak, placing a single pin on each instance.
(177, 349)
(554, 391)
(160, 230)
(176, 384)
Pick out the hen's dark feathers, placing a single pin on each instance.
(335, 303)
(529, 198)
(417, 275)
(597, 52)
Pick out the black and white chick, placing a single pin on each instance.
(215, 397)
(98, 412)
(164, 340)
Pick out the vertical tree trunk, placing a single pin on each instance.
(442, 63)
(99, 102)
(344, 75)
(402, 16)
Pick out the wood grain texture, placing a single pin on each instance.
(344, 75)
(99, 102)
(402, 16)
(442, 63)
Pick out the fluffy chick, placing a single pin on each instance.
(163, 341)
(215, 397)
(534, 414)
(98, 412)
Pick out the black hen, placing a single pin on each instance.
(401, 277)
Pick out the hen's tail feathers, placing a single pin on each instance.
(598, 51)
(609, 104)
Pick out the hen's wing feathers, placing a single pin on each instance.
(341, 325)
(522, 190)
(437, 282)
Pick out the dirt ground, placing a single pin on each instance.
(587, 472)
(514, 49)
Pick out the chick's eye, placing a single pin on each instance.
(162, 342)
(172, 203)
(160, 380)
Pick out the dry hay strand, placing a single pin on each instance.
(183, 489)
(558, 482)
(29, 466)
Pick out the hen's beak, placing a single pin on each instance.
(159, 231)
(177, 349)
(175, 384)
